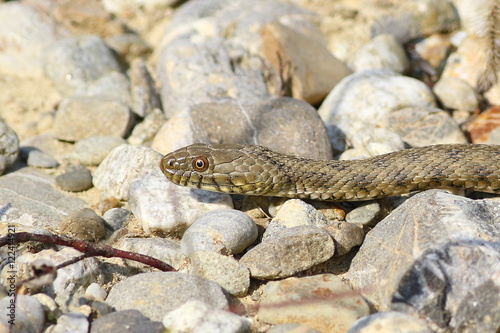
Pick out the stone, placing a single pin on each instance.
(172, 289)
(71, 322)
(127, 320)
(175, 133)
(226, 271)
(123, 165)
(95, 291)
(37, 158)
(198, 317)
(456, 94)
(75, 179)
(143, 90)
(9, 147)
(163, 208)
(349, 111)
(382, 52)
(291, 328)
(225, 231)
(322, 302)
(144, 132)
(391, 322)
(83, 224)
(288, 252)
(49, 144)
(117, 218)
(484, 128)
(315, 70)
(93, 150)
(27, 315)
(82, 117)
(366, 214)
(345, 236)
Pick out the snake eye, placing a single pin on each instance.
(200, 164)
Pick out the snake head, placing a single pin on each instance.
(220, 168)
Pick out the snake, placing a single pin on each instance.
(257, 170)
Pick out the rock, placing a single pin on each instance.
(349, 111)
(425, 126)
(175, 133)
(75, 179)
(345, 236)
(95, 291)
(71, 322)
(434, 49)
(74, 63)
(117, 218)
(291, 328)
(84, 224)
(423, 224)
(82, 117)
(198, 317)
(145, 131)
(37, 158)
(131, 321)
(143, 90)
(225, 231)
(9, 147)
(322, 302)
(31, 199)
(93, 150)
(436, 16)
(135, 293)
(391, 322)
(123, 165)
(226, 271)
(288, 252)
(382, 52)
(366, 214)
(48, 144)
(315, 70)
(484, 128)
(164, 208)
(166, 250)
(26, 315)
(456, 94)
(129, 47)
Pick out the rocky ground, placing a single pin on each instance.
(92, 93)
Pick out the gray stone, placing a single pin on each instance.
(36, 158)
(224, 270)
(27, 315)
(83, 224)
(322, 302)
(131, 321)
(382, 52)
(75, 322)
(74, 63)
(198, 317)
(49, 144)
(225, 231)
(366, 214)
(82, 117)
(291, 328)
(424, 223)
(75, 179)
(123, 165)
(391, 322)
(456, 94)
(96, 292)
(345, 236)
(143, 90)
(175, 133)
(29, 197)
(135, 293)
(349, 111)
(114, 86)
(166, 250)
(164, 208)
(288, 252)
(145, 131)
(93, 150)
(117, 218)
(9, 146)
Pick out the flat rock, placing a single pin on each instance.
(391, 322)
(75, 179)
(37, 158)
(322, 302)
(127, 320)
(93, 150)
(135, 293)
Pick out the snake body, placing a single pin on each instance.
(256, 170)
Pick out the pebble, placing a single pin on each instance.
(49, 144)
(144, 132)
(485, 128)
(76, 179)
(225, 231)
(80, 117)
(322, 302)
(123, 165)
(198, 317)
(366, 214)
(291, 251)
(129, 293)
(37, 158)
(145, 98)
(345, 236)
(382, 52)
(291, 328)
(131, 321)
(456, 94)
(27, 316)
(413, 242)
(95, 291)
(83, 224)
(349, 111)
(117, 218)
(164, 249)
(226, 271)
(9, 147)
(93, 150)
(391, 322)
(74, 63)
(163, 208)
(71, 322)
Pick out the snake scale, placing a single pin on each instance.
(256, 170)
